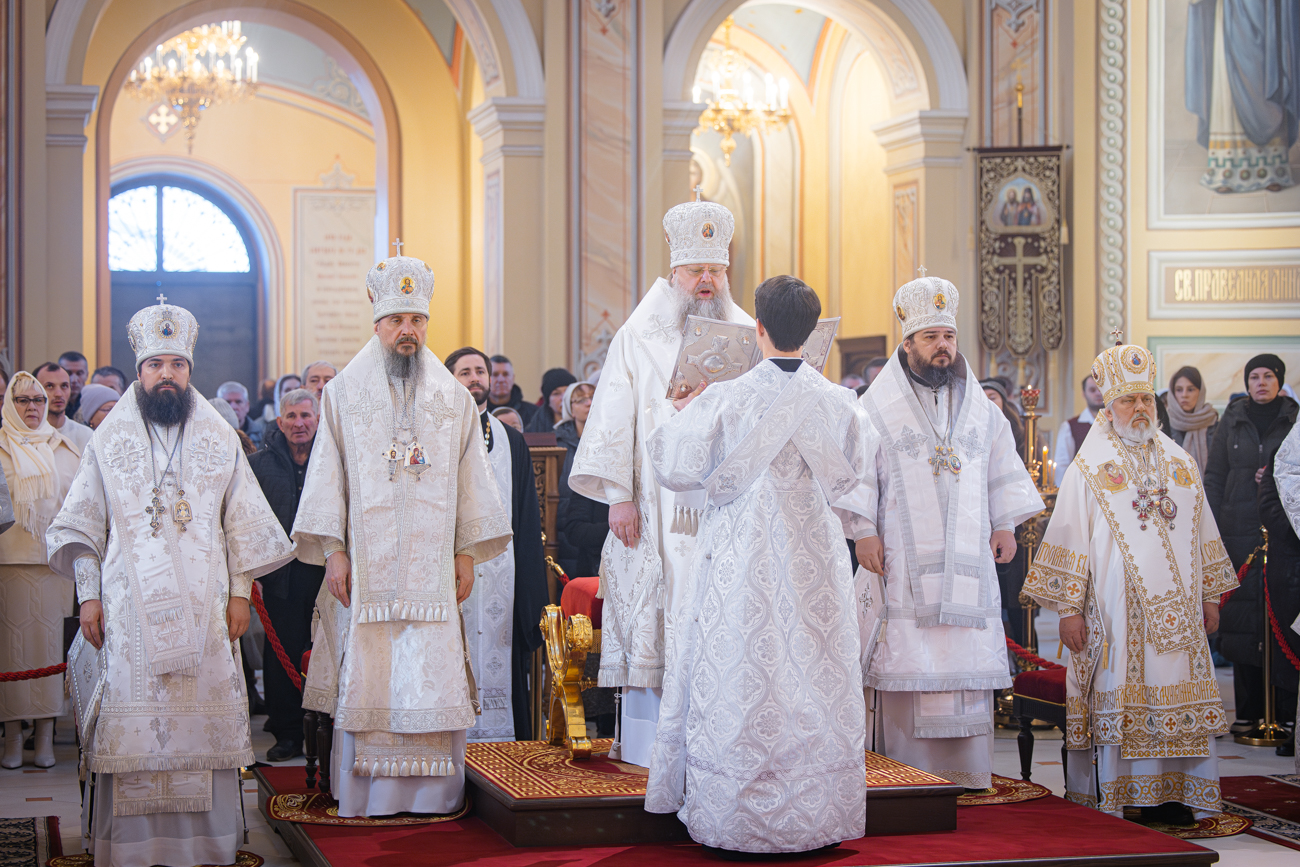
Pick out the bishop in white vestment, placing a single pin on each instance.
(1133, 562)
(164, 529)
(504, 611)
(644, 562)
(399, 504)
(944, 492)
(760, 739)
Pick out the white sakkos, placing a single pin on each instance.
(760, 737)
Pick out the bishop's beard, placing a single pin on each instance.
(932, 375)
(717, 307)
(1133, 433)
(402, 366)
(165, 407)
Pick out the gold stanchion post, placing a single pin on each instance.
(1269, 734)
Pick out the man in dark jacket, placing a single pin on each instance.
(528, 569)
(502, 390)
(1284, 600)
(290, 591)
(1247, 438)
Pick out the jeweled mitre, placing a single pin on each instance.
(699, 233)
(163, 329)
(1125, 369)
(926, 302)
(402, 284)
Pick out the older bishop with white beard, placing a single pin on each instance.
(399, 505)
(648, 551)
(1133, 562)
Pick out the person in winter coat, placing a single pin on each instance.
(290, 591)
(1284, 598)
(550, 411)
(502, 391)
(1247, 437)
(574, 410)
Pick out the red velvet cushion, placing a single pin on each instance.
(306, 658)
(1044, 684)
(579, 597)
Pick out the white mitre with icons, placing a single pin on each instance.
(163, 329)
(699, 233)
(1124, 368)
(400, 284)
(926, 302)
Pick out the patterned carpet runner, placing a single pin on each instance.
(29, 842)
(1218, 825)
(1004, 791)
(1272, 804)
(527, 770)
(84, 859)
(320, 809)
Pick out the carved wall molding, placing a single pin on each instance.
(1112, 202)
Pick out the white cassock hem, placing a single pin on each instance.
(967, 761)
(384, 796)
(210, 837)
(637, 728)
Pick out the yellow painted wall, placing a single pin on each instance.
(429, 115)
(268, 147)
(866, 231)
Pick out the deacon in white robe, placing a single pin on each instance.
(399, 505)
(944, 493)
(1133, 562)
(644, 563)
(164, 529)
(760, 739)
(504, 611)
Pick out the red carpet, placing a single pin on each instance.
(1272, 803)
(1043, 829)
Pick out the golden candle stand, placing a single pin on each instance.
(1029, 535)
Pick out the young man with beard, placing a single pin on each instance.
(58, 388)
(647, 553)
(1133, 562)
(504, 611)
(399, 506)
(164, 529)
(290, 591)
(949, 489)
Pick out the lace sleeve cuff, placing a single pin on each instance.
(1068, 611)
(87, 573)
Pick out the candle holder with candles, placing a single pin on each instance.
(1043, 472)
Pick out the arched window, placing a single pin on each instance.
(174, 237)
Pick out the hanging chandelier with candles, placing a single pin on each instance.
(196, 70)
(732, 108)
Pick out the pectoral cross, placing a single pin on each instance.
(156, 510)
(162, 299)
(398, 245)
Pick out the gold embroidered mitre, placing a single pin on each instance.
(699, 233)
(163, 329)
(1124, 369)
(927, 302)
(402, 284)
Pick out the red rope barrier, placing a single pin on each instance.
(33, 674)
(1241, 576)
(1277, 630)
(1031, 658)
(280, 654)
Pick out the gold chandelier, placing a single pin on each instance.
(732, 110)
(196, 70)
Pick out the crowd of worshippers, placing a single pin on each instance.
(389, 511)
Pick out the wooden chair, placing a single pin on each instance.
(1037, 694)
(317, 740)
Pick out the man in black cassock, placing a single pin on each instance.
(514, 582)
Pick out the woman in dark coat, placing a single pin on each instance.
(1284, 598)
(1248, 436)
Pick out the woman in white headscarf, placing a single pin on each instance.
(39, 464)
